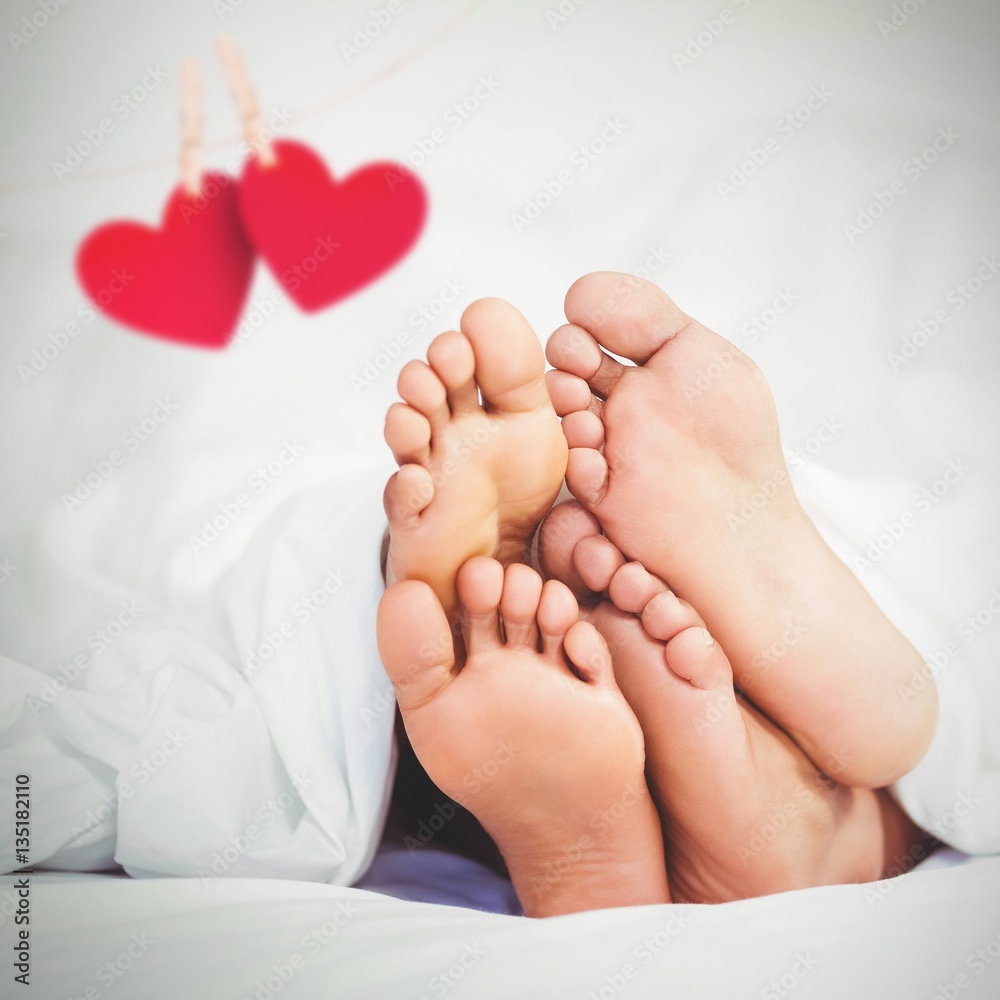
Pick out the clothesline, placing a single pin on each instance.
(309, 111)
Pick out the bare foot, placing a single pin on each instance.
(475, 476)
(540, 746)
(679, 457)
(745, 812)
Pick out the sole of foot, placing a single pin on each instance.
(679, 457)
(531, 734)
(745, 812)
(479, 447)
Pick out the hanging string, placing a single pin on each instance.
(310, 111)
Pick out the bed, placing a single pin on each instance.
(173, 675)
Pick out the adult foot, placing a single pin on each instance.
(532, 735)
(679, 457)
(476, 475)
(744, 811)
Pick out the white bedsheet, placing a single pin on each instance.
(259, 939)
(187, 612)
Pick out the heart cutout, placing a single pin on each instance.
(324, 239)
(186, 281)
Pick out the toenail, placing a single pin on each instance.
(709, 641)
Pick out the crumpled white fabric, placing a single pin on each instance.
(261, 746)
(954, 792)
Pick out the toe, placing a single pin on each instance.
(633, 587)
(629, 316)
(588, 652)
(572, 349)
(694, 655)
(451, 357)
(597, 560)
(570, 393)
(690, 651)
(479, 585)
(522, 589)
(415, 643)
(665, 615)
(510, 365)
(587, 476)
(583, 429)
(557, 612)
(425, 392)
(407, 493)
(564, 526)
(408, 434)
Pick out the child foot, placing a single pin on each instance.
(539, 745)
(744, 810)
(679, 457)
(475, 477)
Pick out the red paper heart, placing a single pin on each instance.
(187, 280)
(324, 239)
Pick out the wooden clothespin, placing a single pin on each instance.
(258, 139)
(191, 128)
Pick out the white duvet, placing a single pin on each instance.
(191, 681)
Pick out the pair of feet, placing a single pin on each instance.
(593, 723)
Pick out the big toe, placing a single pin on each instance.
(510, 365)
(628, 316)
(415, 643)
